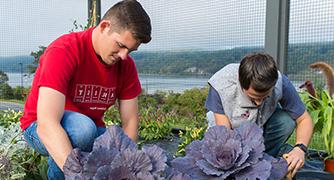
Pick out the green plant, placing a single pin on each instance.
(36, 54)
(11, 148)
(111, 116)
(322, 112)
(6, 92)
(188, 136)
(190, 103)
(155, 123)
(17, 159)
(3, 77)
(8, 117)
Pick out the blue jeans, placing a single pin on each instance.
(277, 131)
(81, 131)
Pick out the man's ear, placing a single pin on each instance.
(104, 25)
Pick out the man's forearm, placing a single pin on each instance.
(222, 120)
(56, 142)
(131, 129)
(304, 129)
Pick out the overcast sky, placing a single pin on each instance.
(177, 24)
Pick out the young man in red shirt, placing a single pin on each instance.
(79, 77)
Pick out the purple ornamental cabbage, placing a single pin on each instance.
(225, 153)
(115, 156)
(173, 174)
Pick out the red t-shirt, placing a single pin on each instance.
(70, 66)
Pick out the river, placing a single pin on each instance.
(150, 83)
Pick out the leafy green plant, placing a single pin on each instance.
(111, 116)
(34, 164)
(17, 159)
(11, 148)
(188, 136)
(322, 112)
(190, 103)
(8, 117)
(155, 123)
(3, 77)
(36, 54)
(6, 92)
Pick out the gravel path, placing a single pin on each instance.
(10, 105)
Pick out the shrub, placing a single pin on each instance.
(8, 117)
(190, 134)
(321, 109)
(155, 124)
(12, 147)
(22, 161)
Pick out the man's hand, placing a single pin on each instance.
(295, 159)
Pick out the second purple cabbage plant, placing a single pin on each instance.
(225, 153)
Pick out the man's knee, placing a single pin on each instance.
(81, 130)
(282, 121)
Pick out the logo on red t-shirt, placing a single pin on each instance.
(87, 93)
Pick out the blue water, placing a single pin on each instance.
(150, 83)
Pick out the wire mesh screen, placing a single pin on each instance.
(311, 39)
(191, 40)
(27, 26)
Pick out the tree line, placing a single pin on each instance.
(196, 62)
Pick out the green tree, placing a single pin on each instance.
(6, 91)
(36, 54)
(3, 77)
(20, 92)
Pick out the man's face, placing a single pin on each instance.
(257, 97)
(116, 46)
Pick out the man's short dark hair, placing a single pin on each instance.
(130, 15)
(258, 71)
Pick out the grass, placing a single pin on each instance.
(12, 101)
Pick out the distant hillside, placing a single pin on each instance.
(11, 63)
(204, 62)
(300, 56)
(188, 62)
(303, 54)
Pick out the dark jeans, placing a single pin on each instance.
(277, 131)
(81, 131)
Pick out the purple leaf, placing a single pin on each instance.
(250, 132)
(260, 171)
(279, 166)
(222, 156)
(173, 174)
(74, 163)
(98, 158)
(187, 165)
(252, 136)
(114, 137)
(194, 149)
(114, 173)
(137, 161)
(158, 158)
(220, 133)
(145, 176)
